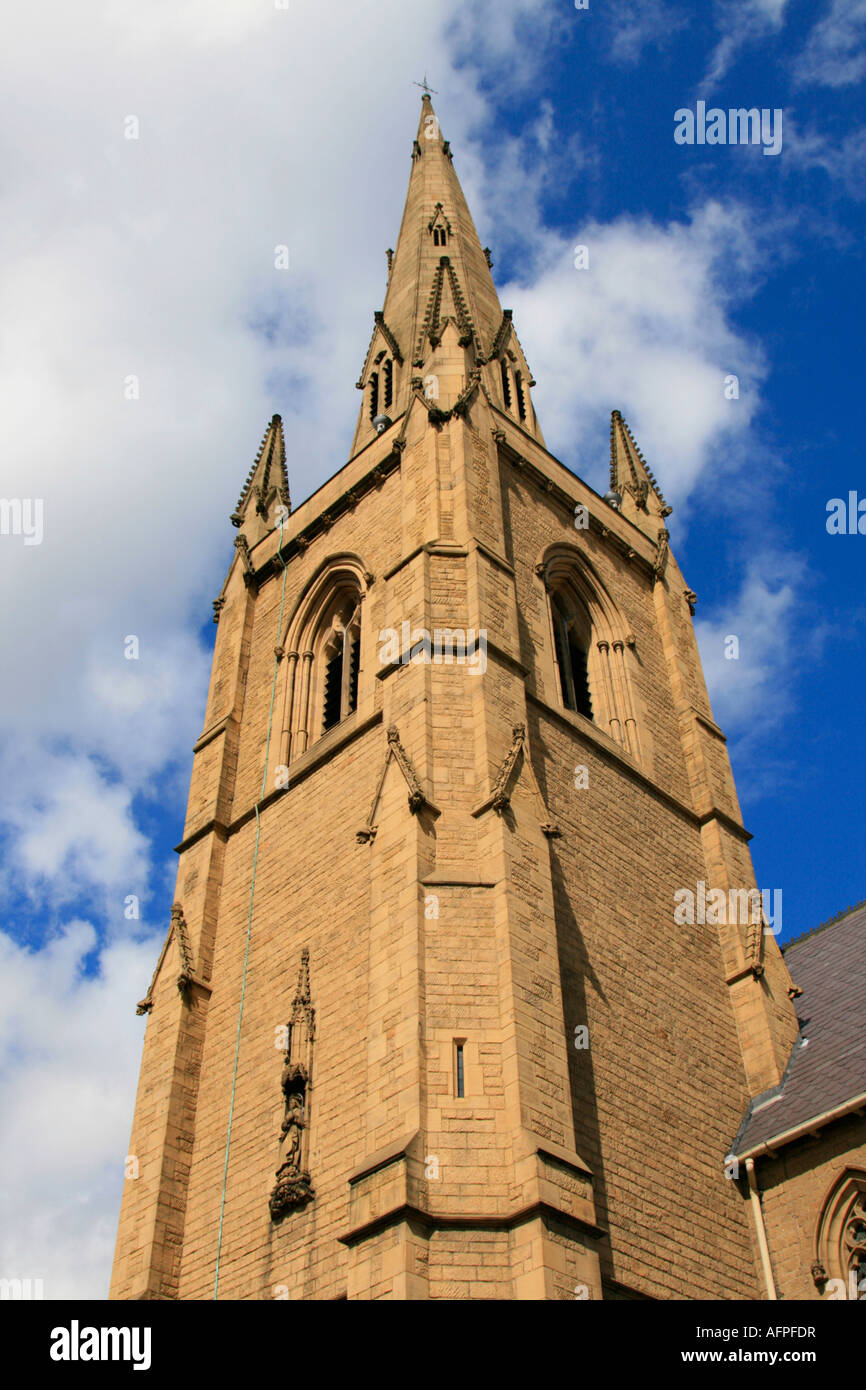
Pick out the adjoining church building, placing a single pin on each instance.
(804, 1140)
(424, 1025)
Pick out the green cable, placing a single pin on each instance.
(250, 922)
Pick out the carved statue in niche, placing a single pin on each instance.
(291, 1129)
(293, 1181)
(293, 1187)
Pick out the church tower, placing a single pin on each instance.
(427, 1023)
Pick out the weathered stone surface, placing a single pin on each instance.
(459, 919)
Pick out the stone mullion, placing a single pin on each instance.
(302, 720)
(286, 730)
(607, 680)
(628, 708)
(621, 689)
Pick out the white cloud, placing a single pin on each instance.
(644, 329)
(751, 693)
(740, 23)
(155, 257)
(636, 27)
(70, 1048)
(844, 161)
(835, 51)
(72, 831)
(502, 41)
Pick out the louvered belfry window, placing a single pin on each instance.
(341, 660)
(521, 399)
(506, 386)
(571, 656)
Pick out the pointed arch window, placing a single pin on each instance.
(841, 1233)
(323, 658)
(572, 637)
(590, 646)
(374, 395)
(855, 1242)
(440, 236)
(387, 383)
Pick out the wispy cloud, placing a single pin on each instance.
(835, 51)
(647, 329)
(752, 679)
(843, 161)
(637, 27)
(741, 23)
(71, 832)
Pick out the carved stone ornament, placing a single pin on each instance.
(293, 1186)
(417, 800)
(661, 555)
(499, 799)
(755, 944)
(243, 549)
(500, 795)
(186, 976)
(395, 747)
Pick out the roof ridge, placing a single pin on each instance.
(822, 926)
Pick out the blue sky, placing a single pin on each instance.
(154, 258)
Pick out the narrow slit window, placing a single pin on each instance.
(506, 385)
(521, 399)
(388, 382)
(333, 683)
(571, 659)
(354, 661)
(374, 395)
(579, 677)
(459, 1075)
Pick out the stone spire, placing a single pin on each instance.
(266, 487)
(632, 477)
(441, 330)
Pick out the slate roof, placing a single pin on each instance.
(827, 1066)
